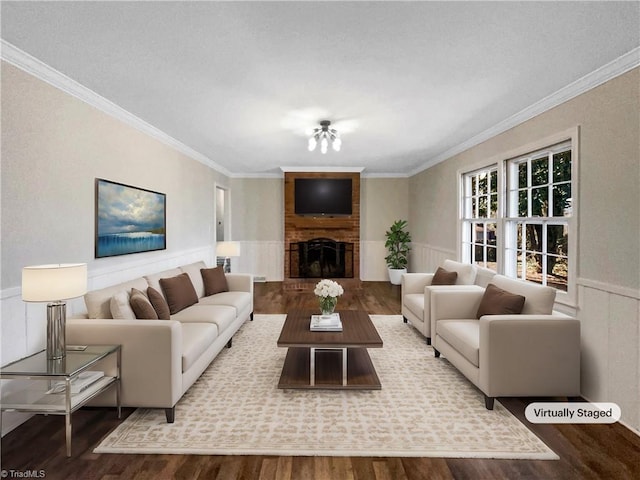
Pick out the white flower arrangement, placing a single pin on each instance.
(328, 288)
(328, 292)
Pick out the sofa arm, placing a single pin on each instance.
(151, 362)
(415, 282)
(240, 282)
(529, 355)
(455, 303)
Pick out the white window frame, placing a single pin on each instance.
(572, 135)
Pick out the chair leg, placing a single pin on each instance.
(404, 319)
(488, 402)
(170, 413)
(428, 340)
(251, 316)
(437, 353)
(230, 342)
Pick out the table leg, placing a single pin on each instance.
(67, 416)
(312, 367)
(344, 366)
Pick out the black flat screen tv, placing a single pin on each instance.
(322, 196)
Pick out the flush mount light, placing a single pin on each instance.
(324, 135)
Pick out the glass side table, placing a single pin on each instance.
(37, 396)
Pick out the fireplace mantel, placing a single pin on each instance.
(299, 228)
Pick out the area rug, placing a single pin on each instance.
(424, 409)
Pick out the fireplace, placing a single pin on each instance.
(321, 258)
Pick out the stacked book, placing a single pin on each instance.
(326, 323)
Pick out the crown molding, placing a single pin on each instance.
(607, 72)
(22, 60)
(323, 169)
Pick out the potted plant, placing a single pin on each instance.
(397, 244)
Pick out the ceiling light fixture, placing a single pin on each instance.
(323, 135)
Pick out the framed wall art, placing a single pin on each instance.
(128, 219)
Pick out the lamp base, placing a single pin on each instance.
(56, 323)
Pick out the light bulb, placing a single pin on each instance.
(324, 143)
(312, 144)
(337, 143)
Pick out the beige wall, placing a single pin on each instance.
(257, 209)
(609, 179)
(54, 146)
(608, 270)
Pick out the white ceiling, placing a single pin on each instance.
(240, 82)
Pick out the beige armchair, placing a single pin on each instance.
(416, 293)
(535, 353)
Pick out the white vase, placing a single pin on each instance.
(395, 275)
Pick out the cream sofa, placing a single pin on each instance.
(416, 291)
(535, 353)
(161, 359)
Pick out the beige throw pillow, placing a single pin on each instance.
(120, 307)
(179, 292)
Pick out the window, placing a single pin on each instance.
(518, 214)
(539, 210)
(480, 217)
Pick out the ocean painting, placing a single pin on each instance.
(128, 219)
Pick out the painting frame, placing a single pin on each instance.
(128, 219)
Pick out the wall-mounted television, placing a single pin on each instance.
(323, 196)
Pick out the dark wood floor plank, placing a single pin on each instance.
(586, 451)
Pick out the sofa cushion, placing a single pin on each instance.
(444, 277)
(220, 315)
(153, 281)
(160, 305)
(415, 303)
(193, 270)
(98, 302)
(466, 271)
(464, 336)
(120, 307)
(179, 292)
(142, 306)
(497, 301)
(237, 300)
(214, 281)
(196, 338)
(539, 299)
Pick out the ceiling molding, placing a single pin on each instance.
(323, 169)
(607, 72)
(44, 72)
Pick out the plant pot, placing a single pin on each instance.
(395, 275)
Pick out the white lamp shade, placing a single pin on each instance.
(228, 249)
(50, 283)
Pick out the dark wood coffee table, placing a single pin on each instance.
(329, 360)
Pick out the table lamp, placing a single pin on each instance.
(54, 284)
(226, 250)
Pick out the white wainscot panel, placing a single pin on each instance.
(373, 267)
(263, 259)
(427, 258)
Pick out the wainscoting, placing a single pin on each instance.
(24, 324)
(610, 322)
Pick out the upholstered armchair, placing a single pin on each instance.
(533, 353)
(416, 293)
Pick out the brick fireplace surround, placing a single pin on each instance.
(301, 229)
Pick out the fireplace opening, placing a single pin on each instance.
(321, 258)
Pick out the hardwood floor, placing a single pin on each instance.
(586, 451)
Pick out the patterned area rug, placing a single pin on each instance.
(425, 408)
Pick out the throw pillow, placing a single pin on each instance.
(160, 305)
(215, 281)
(179, 292)
(444, 277)
(496, 301)
(120, 307)
(141, 305)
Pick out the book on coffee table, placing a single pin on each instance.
(326, 323)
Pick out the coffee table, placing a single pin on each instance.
(329, 360)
